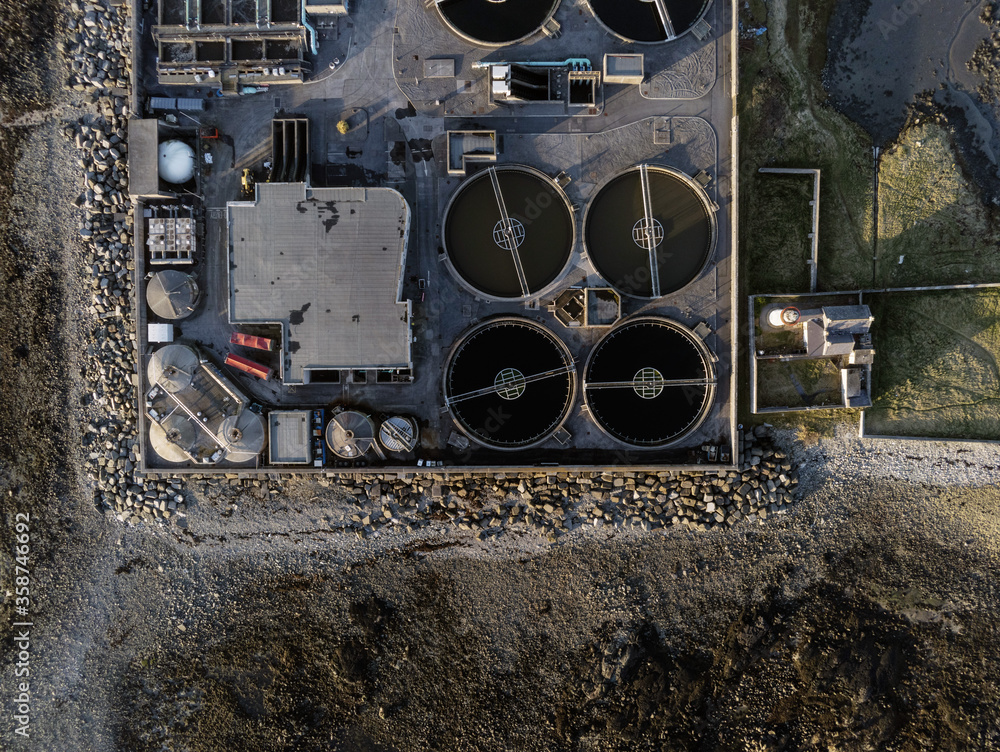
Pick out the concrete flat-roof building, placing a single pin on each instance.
(143, 161)
(289, 440)
(465, 147)
(624, 68)
(839, 335)
(325, 264)
(836, 330)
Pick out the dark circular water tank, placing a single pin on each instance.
(512, 257)
(680, 226)
(510, 383)
(641, 20)
(492, 23)
(649, 382)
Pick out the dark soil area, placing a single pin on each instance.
(882, 54)
(35, 386)
(28, 30)
(875, 634)
(889, 63)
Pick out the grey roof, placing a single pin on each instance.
(838, 344)
(623, 66)
(847, 313)
(464, 146)
(288, 437)
(326, 264)
(143, 165)
(439, 68)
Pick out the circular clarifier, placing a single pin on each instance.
(350, 434)
(649, 20)
(492, 23)
(508, 233)
(650, 231)
(649, 382)
(509, 383)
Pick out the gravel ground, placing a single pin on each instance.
(859, 619)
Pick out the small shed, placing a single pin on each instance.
(624, 68)
(143, 158)
(289, 440)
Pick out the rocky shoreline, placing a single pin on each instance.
(554, 503)
(98, 50)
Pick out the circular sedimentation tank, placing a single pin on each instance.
(242, 436)
(350, 434)
(508, 233)
(650, 231)
(493, 23)
(649, 21)
(398, 434)
(509, 383)
(649, 382)
(172, 367)
(172, 295)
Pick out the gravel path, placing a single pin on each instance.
(939, 463)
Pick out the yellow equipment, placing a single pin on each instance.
(247, 181)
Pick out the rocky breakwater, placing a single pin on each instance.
(100, 63)
(553, 503)
(98, 46)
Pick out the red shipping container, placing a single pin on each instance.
(249, 340)
(248, 366)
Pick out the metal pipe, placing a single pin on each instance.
(312, 32)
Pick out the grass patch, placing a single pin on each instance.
(932, 216)
(786, 122)
(797, 383)
(935, 371)
(780, 343)
(813, 425)
(785, 244)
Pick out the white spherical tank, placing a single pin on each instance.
(176, 162)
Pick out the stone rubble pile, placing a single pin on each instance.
(99, 59)
(554, 503)
(98, 46)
